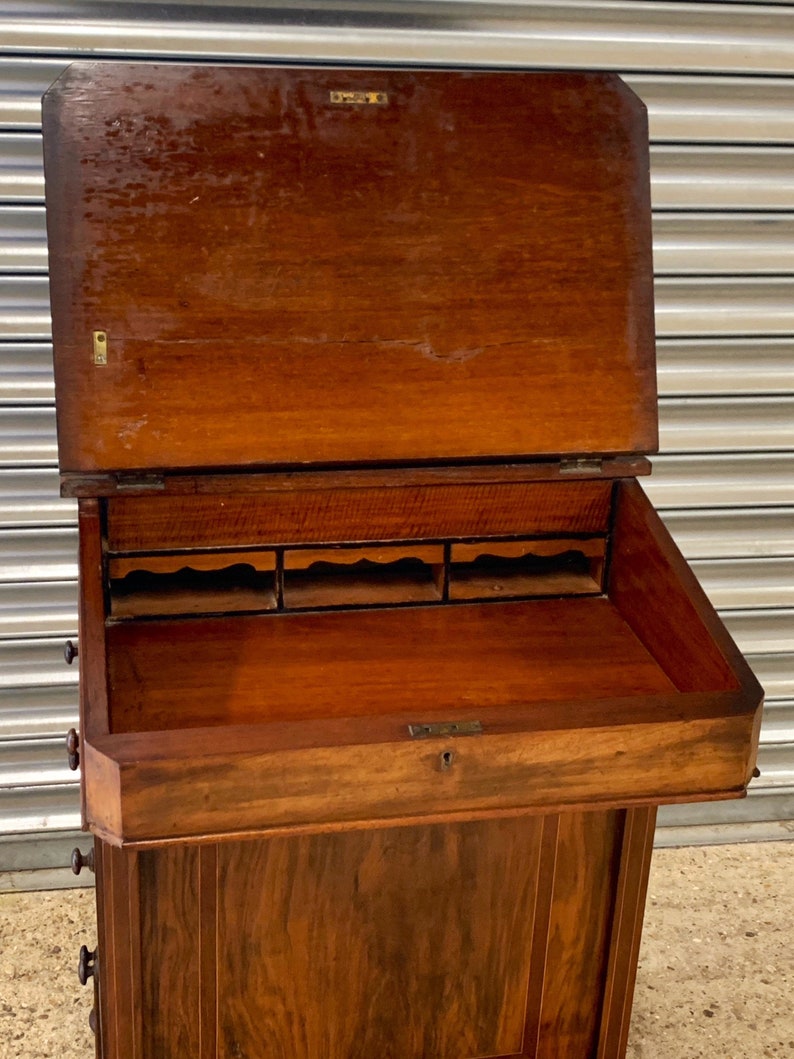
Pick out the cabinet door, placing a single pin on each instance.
(413, 943)
(501, 938)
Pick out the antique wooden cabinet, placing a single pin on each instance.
(386, 660)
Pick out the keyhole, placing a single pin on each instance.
(446, 759)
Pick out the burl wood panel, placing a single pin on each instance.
(324, 515)
(460, 271)
(409, 943)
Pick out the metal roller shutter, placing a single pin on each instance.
(717, 78)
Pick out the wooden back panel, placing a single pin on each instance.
(442, 265)
(366, 513)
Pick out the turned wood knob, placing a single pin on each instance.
(82, 860)
(86, 965)
(72, 745)
(70, 652)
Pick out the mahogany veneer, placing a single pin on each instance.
(386, 660)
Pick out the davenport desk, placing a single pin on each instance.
(386, 661)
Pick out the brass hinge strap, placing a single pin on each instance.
(133, 482)
(581, 466)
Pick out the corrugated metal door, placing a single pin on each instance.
(717, 79)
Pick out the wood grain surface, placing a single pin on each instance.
(118, 921)
(273, 480)
(685, 634)
(160, 787)
(104, 1003)
(235, 589)
(626, 930)
(379, 513)
(504, 938)
(208, 561)
(171, 932)
(287, 667)
(585, 869)
(461, 272)
(302, 706)
(92, 607)
(409, 942)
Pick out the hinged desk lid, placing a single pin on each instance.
(290, 266)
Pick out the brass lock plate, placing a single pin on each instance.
(445, 728)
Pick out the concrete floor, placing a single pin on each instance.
(715, 979)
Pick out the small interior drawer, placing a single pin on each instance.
(502, 570)
(288, 579)
(363, 576)
(199, 583)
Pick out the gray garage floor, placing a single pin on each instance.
(716, 974)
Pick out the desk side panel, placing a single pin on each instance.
(658, 595)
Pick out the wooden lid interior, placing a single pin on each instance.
(290, 266)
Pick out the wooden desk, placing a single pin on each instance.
(386, 659)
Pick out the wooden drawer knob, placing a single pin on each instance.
(86, 964)
(72, 749)
(82, 860)
(70, 652)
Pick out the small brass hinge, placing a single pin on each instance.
(100, 347)
(445, 728)
(139, 482)
(581, 466)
